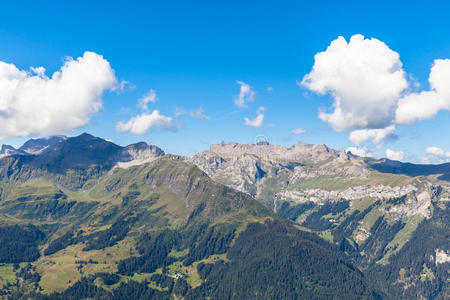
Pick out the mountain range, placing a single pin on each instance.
(391, 217)
(82, 217)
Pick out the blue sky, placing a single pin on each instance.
(192, 54)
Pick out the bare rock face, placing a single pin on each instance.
(39, 146)
(298, 152)
(247, 167)
(308, 183)
(8, 150)
(320, 196)
(33, 146)
(303, 172)
(137, 154)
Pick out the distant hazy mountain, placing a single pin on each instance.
(391, 217)
(84, 218)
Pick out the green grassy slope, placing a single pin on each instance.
(153, 231)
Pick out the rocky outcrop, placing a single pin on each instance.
(39, 146)
(308, 183)
(138, 154)
(247, 167)
(74, 162)
(353, 193)
(276, 153)
(8, 150)
(442, 257)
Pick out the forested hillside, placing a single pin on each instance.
(392, 218)
(159, 228)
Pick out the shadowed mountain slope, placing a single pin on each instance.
(373, 210)
(85, 227)
(413, 170)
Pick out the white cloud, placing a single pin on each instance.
(363, 152)
(437, 152)
(435, 155)
(370, 91)
(377, 136)
(258, 120)
(150, 97)
(419, 106)
(394, 155)
(33, 104)
(126, 86)
(415, 107)
(365, 79)
(198, 114)
(269, 89)
(246, 94)
(142, 123)
(194, 113)
(298, 131)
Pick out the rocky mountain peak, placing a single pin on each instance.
(297, 152)
(344, 156)
(8, 150)
(137, 154)
(83, 150)
(38, 146)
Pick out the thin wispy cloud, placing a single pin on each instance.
(246, 94)
(298, 131)
(193, 113)
(150, 97)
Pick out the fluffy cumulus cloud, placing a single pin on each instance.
(377, 136)
(365, 79)
(435, 155)
(394, 155)
(146, 121)
(150, 97)
(258, 120)
(370, 93)
(246, 94)
(437, 152)
(298, 131)
(424, 105)
(31, 103)
(149, 120)
(363, 152)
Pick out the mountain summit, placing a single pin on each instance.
(91, 219)
(85, 156)
(38, 146)
(391, 217)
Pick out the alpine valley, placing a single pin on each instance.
(84, 218)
